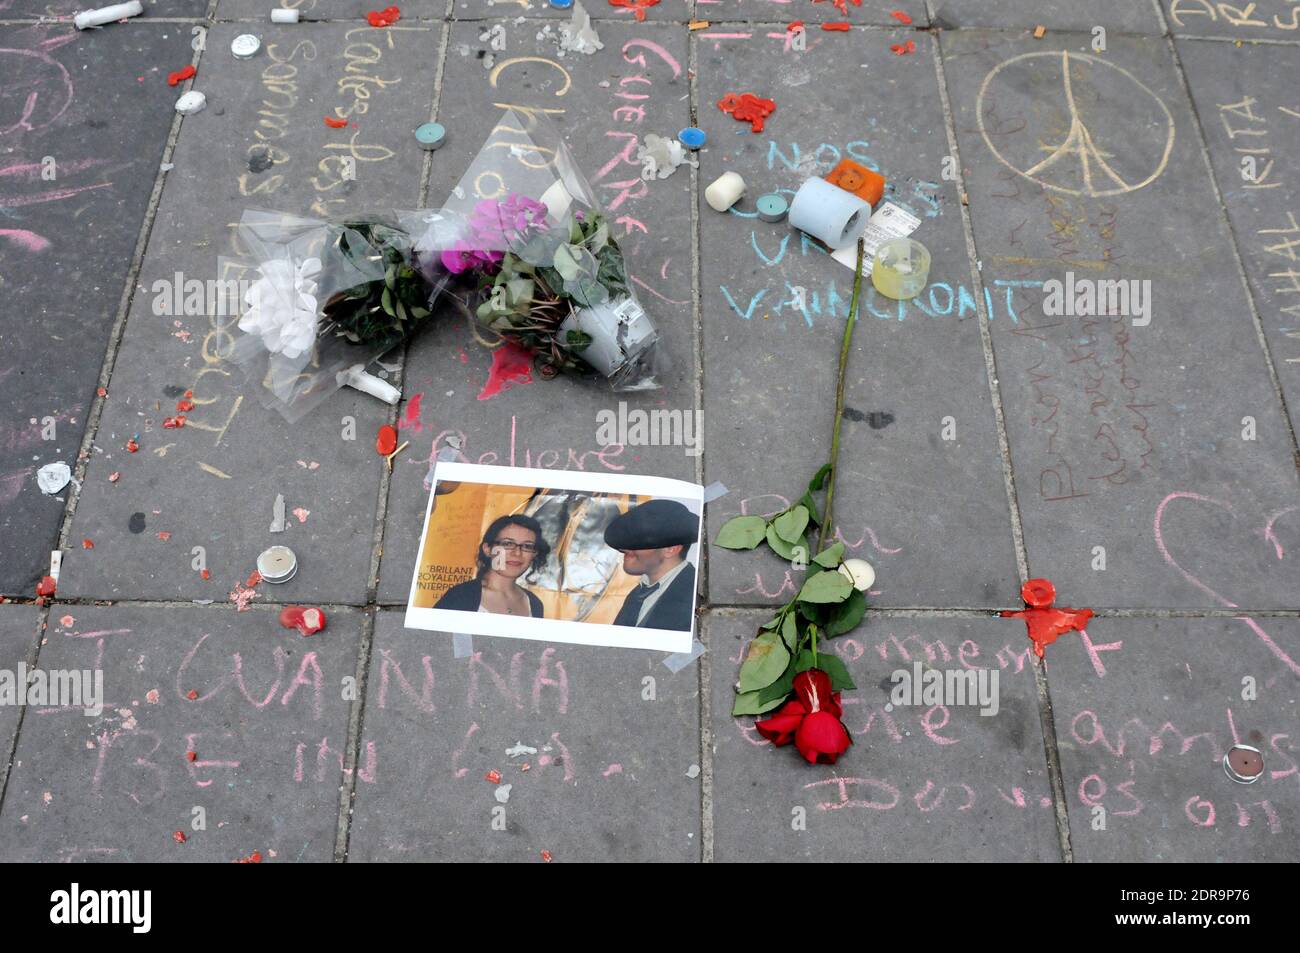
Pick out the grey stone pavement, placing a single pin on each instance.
(1149, 470)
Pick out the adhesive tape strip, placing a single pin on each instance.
(462, 645)
(714, 490)
(679, 660)
(828, 213)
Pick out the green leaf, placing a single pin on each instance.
(826, 587)
(742, 532)
(387, 301)
(819, 478)
(779, 546)
(565, 261)
(829, 663)
(790, 631)
(779, 689)
(813, 613)
(830, 558)
(766, 660)
(773, 622)
(834, 666)
(811, 505)
(576, 340)
(846, 616)
(420, 312)
(748, 703)
(791, 524)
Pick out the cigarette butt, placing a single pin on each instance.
(698, 25)
(1040, 31)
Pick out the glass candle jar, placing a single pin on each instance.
(900, 268)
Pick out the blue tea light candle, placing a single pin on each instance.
(772, 207)
(692, 138)
(562, 4)
(431, 135)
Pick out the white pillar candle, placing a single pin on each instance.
(828, 213)
(284, 15)
(356, 376)
(118, 11)
(725, 191)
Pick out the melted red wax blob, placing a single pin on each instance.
(180, 76)
(335, 123)
(385, 17)
(306, 620)
(46, 587)
(746, 107)
(511, 364)
(901, 17)
(493, 776)
(639, 6)
(192, 695)
(1043, 622)
(179, 837)
(386, 442)
(835, 27)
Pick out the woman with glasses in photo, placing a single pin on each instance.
(511, 548)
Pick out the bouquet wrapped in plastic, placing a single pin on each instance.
(327, 298)
(521, 239)
(524, 223)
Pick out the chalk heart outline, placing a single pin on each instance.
(1269, 534)
(1079, 140)
(56, 82)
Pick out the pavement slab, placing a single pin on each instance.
(1142, 477)
(213, 483)
(1145, 711)
(1253, 132)
(919, 783)
(83, 122)
(597, 752)
(1127, 16)
(459, 392)
(17, 636)
(1262, 20)
(268, 727)
(903, 487)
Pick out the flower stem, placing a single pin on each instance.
(839, 405)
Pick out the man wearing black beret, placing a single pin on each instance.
(654, 539)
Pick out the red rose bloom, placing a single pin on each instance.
(811, 720)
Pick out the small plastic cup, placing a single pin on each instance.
(900, 268)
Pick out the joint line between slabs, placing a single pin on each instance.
(1051, 751)
(356, 716)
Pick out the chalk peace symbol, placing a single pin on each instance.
(1097, 131)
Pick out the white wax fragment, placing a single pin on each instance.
(53, 477)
